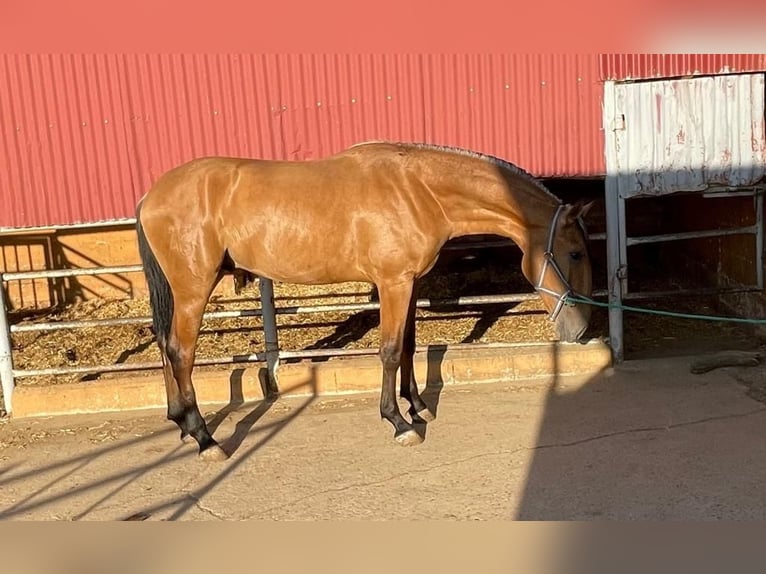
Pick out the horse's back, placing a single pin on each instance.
(336, 218)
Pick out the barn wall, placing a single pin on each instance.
(84, 136)
(620, 67)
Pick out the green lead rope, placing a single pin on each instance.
(588, 301)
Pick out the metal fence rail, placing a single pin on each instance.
(619, 241)
(272, 354)
(268, 311)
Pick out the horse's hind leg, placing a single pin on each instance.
(180, 351)
(409, 387)
(394, 308)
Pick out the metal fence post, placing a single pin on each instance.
(615, 214)
(759, 237)
(6, 358)
(614, 279)
(269, 316)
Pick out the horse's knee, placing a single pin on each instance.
(391, 355)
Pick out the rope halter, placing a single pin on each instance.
(549, 260)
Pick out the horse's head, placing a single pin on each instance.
(557, 263)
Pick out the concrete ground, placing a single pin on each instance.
(648, 440)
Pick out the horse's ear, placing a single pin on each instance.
(578, 211)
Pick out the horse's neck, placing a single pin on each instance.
(493, 208)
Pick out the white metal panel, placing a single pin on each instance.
(688, 134)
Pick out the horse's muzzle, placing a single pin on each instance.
(571, 328)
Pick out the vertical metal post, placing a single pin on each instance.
(759, 237)
(269, 317)
(622, 270)
(615, 214)
(6, 358)
(614, 281)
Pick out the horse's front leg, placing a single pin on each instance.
(418, 411)
(394, 309)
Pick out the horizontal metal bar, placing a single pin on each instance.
(502, 243)
(698, 291)
(67, 227)
(420, 304)
(83, 370)
(751, 229)
(81, 324)
(119, 322)
(715, 192)
(478, 245)
(20, 373)
(296, 310)
(56, 273)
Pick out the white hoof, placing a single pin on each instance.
(427, 415)
(213, 454)
(409, 438)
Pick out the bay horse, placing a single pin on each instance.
(377, 212)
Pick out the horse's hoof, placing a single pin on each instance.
(213, 454)
(408, 438)
(427, 415)
(187, 438)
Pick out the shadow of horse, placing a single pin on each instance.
(457, 273)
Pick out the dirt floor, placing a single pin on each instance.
(648, 441)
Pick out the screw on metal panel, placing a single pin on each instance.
(106, 121)
(507, 86)
(542, 83)
(388, 97)
(319, 104)
(215, 112)
(353, 100)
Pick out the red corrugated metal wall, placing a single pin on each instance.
(63, 152)
(644, 66)
(83, 137)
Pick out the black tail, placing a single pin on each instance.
(160, 297)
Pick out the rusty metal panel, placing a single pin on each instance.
(689, 134)
(120, 121)
(620, 67)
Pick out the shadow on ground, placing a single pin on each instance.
(118, 481)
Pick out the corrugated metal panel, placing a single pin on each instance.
(689, 134)
(645, 66)
(124, 120)
(542, 112)
(63, 148)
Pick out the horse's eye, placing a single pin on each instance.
(576, 255)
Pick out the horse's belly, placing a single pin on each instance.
(315, 262)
